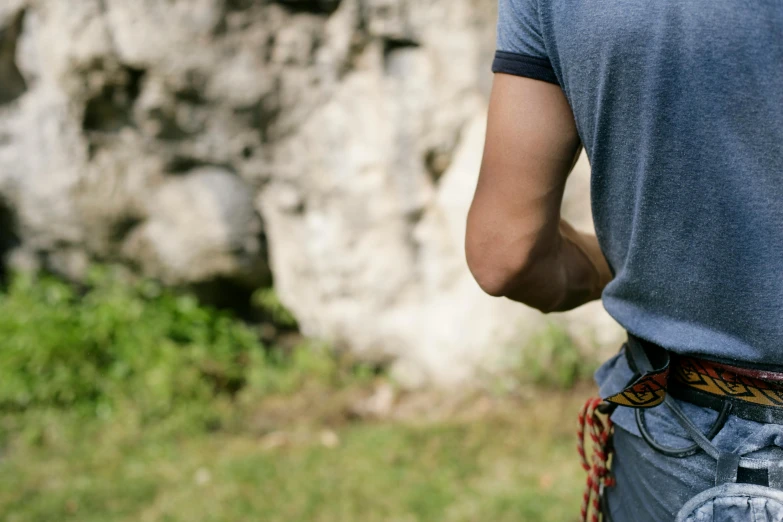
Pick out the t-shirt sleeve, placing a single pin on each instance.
(520, 46)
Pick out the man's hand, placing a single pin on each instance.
(517, 245)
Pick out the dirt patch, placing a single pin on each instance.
(380, 401)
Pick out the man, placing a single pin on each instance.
(679, 105)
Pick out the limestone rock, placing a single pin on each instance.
(201, 226)
(179, 137)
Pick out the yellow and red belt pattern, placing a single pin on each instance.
(721, 380)
(754, 386)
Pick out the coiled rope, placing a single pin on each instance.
(599, 427)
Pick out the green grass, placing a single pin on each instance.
(124, 402)
(513, 468)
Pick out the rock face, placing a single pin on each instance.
(182, 137)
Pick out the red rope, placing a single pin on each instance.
(599, 428)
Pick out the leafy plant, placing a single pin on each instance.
(115, 342)
(553, 359)
(267, 300)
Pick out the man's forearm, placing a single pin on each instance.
(569, 273)
(516, 244)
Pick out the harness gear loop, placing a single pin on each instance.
(598, 425)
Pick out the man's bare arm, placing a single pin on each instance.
(517, 245)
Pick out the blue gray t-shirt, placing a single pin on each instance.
(679, 104)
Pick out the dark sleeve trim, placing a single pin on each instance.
(524, 65)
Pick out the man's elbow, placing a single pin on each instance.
(496, 270)
(491, 281)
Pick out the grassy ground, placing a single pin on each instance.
(513, 461)
(122, 403)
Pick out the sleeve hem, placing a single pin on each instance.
(524, 65)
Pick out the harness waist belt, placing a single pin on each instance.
(755, 395)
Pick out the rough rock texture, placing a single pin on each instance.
(182, 137)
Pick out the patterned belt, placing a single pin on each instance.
(755, 395)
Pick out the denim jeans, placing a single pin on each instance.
(653, 487)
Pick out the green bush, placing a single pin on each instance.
(552, 359)
(115, 342)
(266, 300)
(114, 345)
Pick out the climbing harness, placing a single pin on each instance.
(747, 393)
